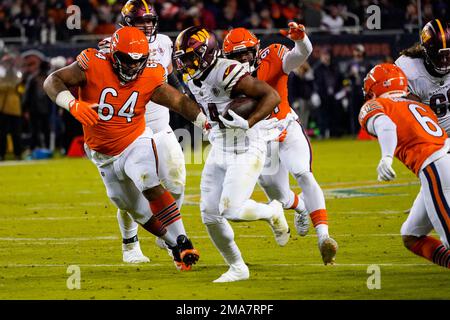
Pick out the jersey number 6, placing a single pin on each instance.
(427, 123)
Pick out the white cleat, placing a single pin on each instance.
(328, 248)
(132, 253)
(279, 224)
(301, 223)
(234, 273)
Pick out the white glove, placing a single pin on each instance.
(384, 169)
(104, 46)
(237, 123)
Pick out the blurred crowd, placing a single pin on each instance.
(29, 122)
(327, 97)
(326, 94)
(45, 21)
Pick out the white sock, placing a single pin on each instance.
(222, 235)
(174, 230)
(128, 227)
(312, 193)
(322, 231)
(250, 211)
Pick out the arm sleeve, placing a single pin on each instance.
(297, 55)
(386, 131)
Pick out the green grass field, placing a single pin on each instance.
(55, 213)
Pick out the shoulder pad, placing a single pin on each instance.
(410, 66)
(87, 57)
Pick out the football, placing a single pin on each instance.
(243, 106)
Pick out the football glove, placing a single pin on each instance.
(83, 112)
(202, 122)
(295, 32)
(104, 46)
(384, 169)
(237, 123)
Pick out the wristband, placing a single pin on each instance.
(64, 98)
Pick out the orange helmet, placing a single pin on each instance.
(129, 53)
(238, 41)
(384, 77)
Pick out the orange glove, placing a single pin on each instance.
(282, 136)
(295, 32)
(83, 112)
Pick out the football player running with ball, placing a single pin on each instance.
(171, 168)
(113, 91)
(238, 147)
(273, 65)
(409, 130)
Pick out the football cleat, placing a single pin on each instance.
(328, 248)
(234, 273)
(301, 223)
(279, 224)
(131, 253)
(184, 255)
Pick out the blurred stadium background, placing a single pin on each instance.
(326, 92)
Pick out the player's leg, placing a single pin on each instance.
(242, 172)
(140, 165)
(435, 180)
(218, 228)
(171, 164)
(296, 155)
(276, 186)
(172, 173)
(123, 193)
(131, 249)
(416, 228)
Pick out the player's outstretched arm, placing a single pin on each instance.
(267, 97)
(57, 87)
(170, 97)
(302, 49)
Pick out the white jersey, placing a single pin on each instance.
(157, 117)
(434, 91)
(214, 94)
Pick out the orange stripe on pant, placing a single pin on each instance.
(295, 204)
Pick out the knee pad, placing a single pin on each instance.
(117, 201)
(175, 187)
(305, 178)
(211, 218)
